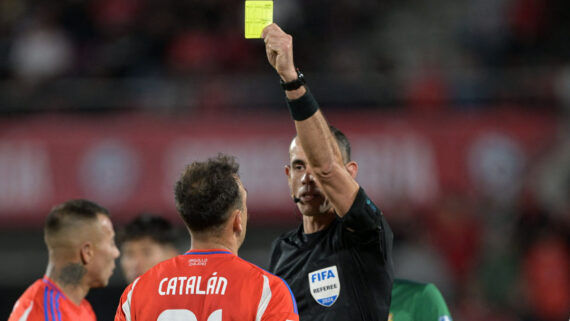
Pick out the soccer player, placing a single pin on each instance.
(338, 262)
(144, 242)
(81, 243)
(209, 282)
(413, 301)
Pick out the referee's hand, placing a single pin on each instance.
(279, 50)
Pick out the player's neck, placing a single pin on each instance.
(214, 244)
(75, 293)
(75, 290)
(312, 224)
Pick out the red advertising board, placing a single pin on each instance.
(130, 163)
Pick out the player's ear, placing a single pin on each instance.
(352, 168)
(86, 252)
(237, 222)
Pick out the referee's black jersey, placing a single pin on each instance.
(343, 272)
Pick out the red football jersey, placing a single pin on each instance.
(212, 285)
(45, 301)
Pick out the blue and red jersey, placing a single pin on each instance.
(45, 301)
(212, 285)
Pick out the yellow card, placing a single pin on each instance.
(258, 15)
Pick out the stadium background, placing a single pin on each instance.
(458, 112)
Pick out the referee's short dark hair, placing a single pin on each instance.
(207, 192)
(342, 142)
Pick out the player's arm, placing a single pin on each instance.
(318, 143)
(281, 305)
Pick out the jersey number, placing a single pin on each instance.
(186, 315)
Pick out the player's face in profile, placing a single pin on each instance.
(137, 256)
(105, 252)
(302, 184)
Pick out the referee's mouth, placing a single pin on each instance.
(309, 196)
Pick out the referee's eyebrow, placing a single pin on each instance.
(297, 162)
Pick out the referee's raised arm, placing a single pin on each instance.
(338, 262)
(324, 159)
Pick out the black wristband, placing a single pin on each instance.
(303, 107)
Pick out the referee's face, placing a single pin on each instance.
(302, 184)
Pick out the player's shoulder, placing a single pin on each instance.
(33, 296)
(409, 283)
(432, 291)
(87, 311)
(256, 272)
(172, 264)
(422, 287)
(415, 287)
(157, 270)
(245, 266)
(35, 290)
(407, 288)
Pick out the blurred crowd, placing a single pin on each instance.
(186, 56)
(494, 257)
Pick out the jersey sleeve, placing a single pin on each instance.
(124, 309)
(27, 311)
(363, 214)
(365, 222)
(432, 306)
(279, 301)
(30, 305)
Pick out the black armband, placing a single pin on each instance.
(303, 107)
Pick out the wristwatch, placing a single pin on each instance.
(294, 84)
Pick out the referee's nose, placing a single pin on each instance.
(307, 177)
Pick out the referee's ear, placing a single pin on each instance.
(352, 168)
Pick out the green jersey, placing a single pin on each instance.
(413, 301)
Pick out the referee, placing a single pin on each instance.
(338, 262)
